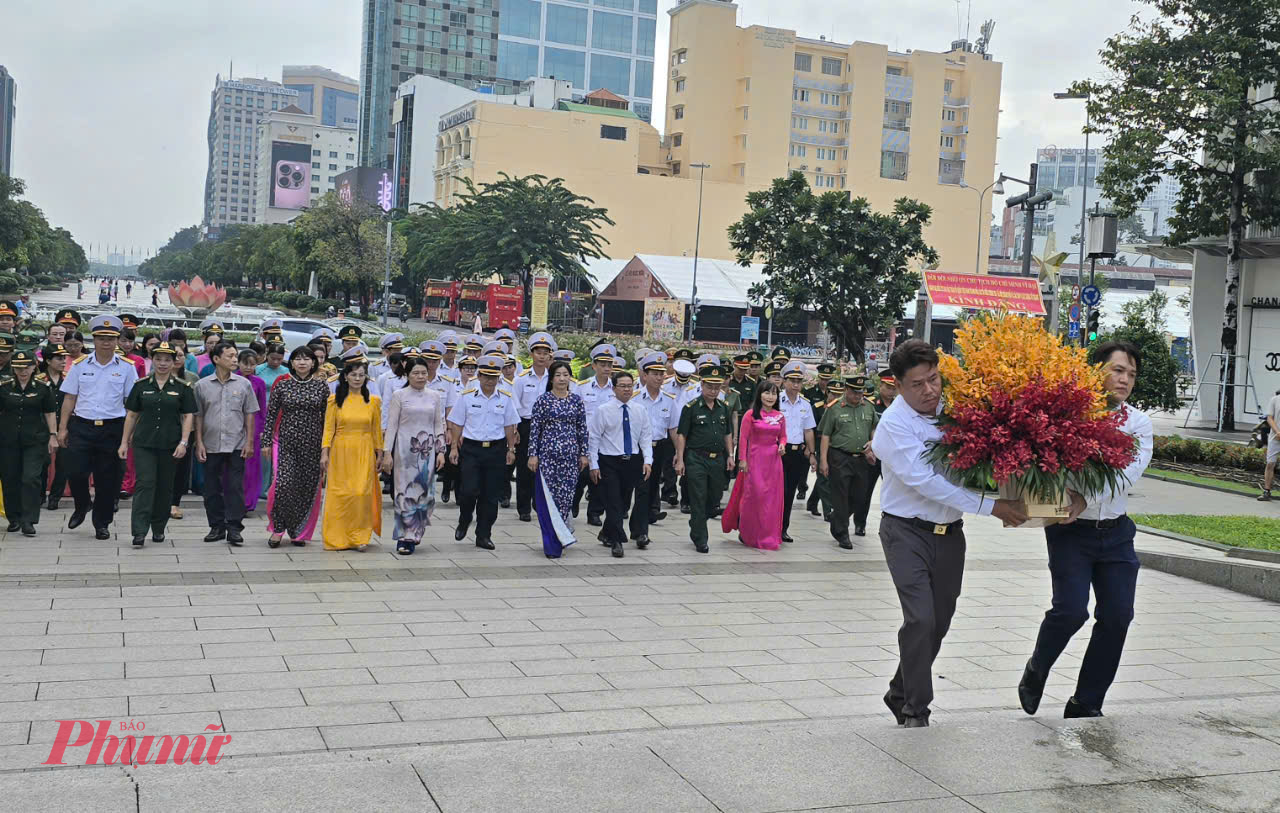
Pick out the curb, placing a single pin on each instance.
(1219, 489)
(1230, 550)
(1252, 580)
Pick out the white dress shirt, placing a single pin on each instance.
(912, 486)
(799, 415)
(1107, 505)
(388, 385)
(594, 394)
(604, 431)
(664, 414)
(527, 388)
(100, 389)
(484, 417)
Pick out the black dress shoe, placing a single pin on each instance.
(1074, 709)
(603, 540)
(684, 509)
(487, 544)
(813, 509)
(594, 519)
(234, 538)
(701, 548)
(672, 502)
(14, 525)
(52, 505)
(916, 722)
(1030, 689)
(576, 508)
(526, 518)
(617, 550)
(115, 506)
(139, 541)
(895, 706)
(101, 533)
(642, 541)
(786, 537)
(215, 535)
(461, 532)
(845, 542)
(505, 503)
(157, 537)
(860, 530)
(77, 519)
(28, 529)
(444, 496)
(658, 517)
(715, 513)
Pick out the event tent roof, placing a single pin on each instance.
(721, 283)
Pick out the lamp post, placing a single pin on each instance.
(1084, 178)
(697, 236)
(996, 187)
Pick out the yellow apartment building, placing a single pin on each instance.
(754, 103)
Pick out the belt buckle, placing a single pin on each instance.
(625, 456)
(940, 530)
(713, 455)
(485, 444)
(98, 423)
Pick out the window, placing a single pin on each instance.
(406, 57)
(458, 18)
(746, 113)
(948, 115)
(409, 11)
(677, 139)
(644, 79)
(456, 63)
(483, 24)
(333, 153)
(613, 133)
(565, 64)
(623, 4)
(948, 141)
(893, 70)
(678, 113)
(680, 57)
(408, 35)
(675, 168)
(566, 24)
(351, 156)
(612, 32)
(520, 18)
(799, 95)
(433, 16)
(432, 61)
(275, 105)
(457, 42)
(433, 39)
(611, 72)
(348, 167)
(804, 63)
(226, 100)
(799, 123)
(315, 190)
(315, 153)
(799, 150)
(822, 125)
(831, 66)
(645, 36)
(517, 60)
(893, 165)
(679, 86)
(947, 84)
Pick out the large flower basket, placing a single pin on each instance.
(1027, 417)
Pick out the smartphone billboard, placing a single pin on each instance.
(290, 175)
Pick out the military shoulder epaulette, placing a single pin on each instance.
(524, 373)
(468, 392)
(669, 394)
(82, 358)
(42, 377)
(333, 378)
(505, 392)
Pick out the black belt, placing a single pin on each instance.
(795, 447)
(660, 442)
(103, 422)
(936, 528)
(1101, 524)
(483, 444)
(704, 453)
(618, 456)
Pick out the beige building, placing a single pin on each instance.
(756, 103)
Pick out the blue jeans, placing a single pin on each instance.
(1081, 557)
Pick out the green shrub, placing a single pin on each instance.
(1178, 449)
(10, 284)
(234, 292)
(305, 301)
(47, 281)
(290, 299)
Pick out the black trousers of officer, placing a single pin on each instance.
(480, 484)
(524, 477)
(670, 482)
(621, 478)
(224, 490)
(664, 453)
(595, 501)
(22, 469)
(795, 468)
(59, 483)
(92, 450)
(851, 484)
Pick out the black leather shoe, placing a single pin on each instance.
(1030, 690)
(786, 537)
(701, 548)
(672, 502)
(658, 517)
(215, 535)
(813, 509)
(101, 533)
(526, 518)
(715, 514)
(1074, 709)
(603, 540)
(860, 530)
(576, 508)
(14, 525)
(28, 529)
(234, 538)
(895, 706)
(77, 519)
(845, 542)
(461, 532)
(684, 509)
(642, 541)
(594, 519)
(52, 505)
(617, 550)
(139, 541)
(487, 544)
(916, 722)
(505, 503)
(157, 537)
(444, 496)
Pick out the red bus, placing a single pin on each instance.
(438, 297)
(458, 303)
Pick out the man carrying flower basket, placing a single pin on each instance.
(1094, 549)
(921, 530)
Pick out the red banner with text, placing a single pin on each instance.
(985, 292)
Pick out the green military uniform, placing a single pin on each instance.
(705, 460)
(157, 431)
(746, 386)
(24, 437)
(849, 429)
(6, 349)
(818, 396)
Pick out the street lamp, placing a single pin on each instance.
(996, 187)
(697, 235)
(1084, 178)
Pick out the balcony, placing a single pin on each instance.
(949, 155)
(955, 129)
(895, 140)
(897, 123)
(955, 101)
(898, 87)
(821, 141)
(819, 111)
(952, 178)
(822, 84)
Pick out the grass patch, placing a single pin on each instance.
(1197, 479)
(1259, 533)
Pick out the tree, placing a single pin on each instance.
(346, 245)
(1184, 99)
(1144, 326)
(834, 256)
(183, 239)
(511, 226)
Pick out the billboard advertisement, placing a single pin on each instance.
(664, 320)
(290, 175)
(538, 303)
(372, 186)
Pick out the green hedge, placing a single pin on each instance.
(1178, 449)
(10, 284)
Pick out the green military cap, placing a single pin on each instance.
(350, 332)
(712, 374)
(68, 317)
(683, 353)
(780, 352)
(164, 349)
(826, 370)
(755, 357)
(741, 361)
(836, 386)
(773, 368)
(858, 381)
(22, 358)
(6, 342)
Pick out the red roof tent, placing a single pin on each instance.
(606, 98)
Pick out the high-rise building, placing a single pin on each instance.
(299, 161)
(494, 45)
(8, 112)
(332, 98)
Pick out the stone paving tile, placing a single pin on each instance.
(409, 733)
(68, 689)
(444, 709)
(364, 693)
(213, 701)
(673, 677)
(262, 719)
(14, 733)
(574, 722)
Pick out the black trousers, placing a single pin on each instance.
(670, 482)
(524, 477)
(182, 478)
(795, 468)
(224, 490)
(59, 482)
(480, 483)
(153, 494)
(664, 452)
(595, 501)
(22, 468)
(621, 478)
(91, 450)
(850, 478)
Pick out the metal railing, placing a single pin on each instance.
(822, 84)
(823, 141)
(955, 129)
(949, 178)
(947, 155)
(955, 101)
(818, 111)
(896, 123)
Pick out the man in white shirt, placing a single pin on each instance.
(1273, 446)
(529, 386)
(482, 423)
(799, 456)
(664, 417)
(921, 530)
(620, 449)
(594, 391)
(1094, 546)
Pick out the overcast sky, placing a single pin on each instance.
(113, 98)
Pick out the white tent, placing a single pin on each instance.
(721, 283)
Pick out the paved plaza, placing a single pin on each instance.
(465, 680)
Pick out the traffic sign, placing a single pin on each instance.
(1073, 330)
(1090, 295)
(1075, 293)
(1074, 313)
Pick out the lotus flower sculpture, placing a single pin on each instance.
(197, 295)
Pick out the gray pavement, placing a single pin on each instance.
(461, 679)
